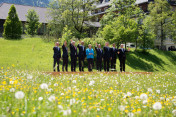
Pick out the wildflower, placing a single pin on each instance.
(60, 107)
(157, 91)
(12, 90)
(51, 98)
(72, 101)
(129, 94)
(66, 112)
(91, 83)
(145, 102)
(40, 98)
(174, 112)
(29, 77)
(19, 95)
(130, 114)
(56, 84)
(150, 90)
(121, 108)
(157, 106)
(74, 81)
(143, 96)
(44, 86)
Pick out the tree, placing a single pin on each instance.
(120, 24)
(161, 17)
(67, 35)
(12, 25)
(32, 23)
(72, 13)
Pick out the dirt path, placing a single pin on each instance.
(81, 73)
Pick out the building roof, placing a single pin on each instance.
(22, 12)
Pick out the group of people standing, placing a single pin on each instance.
(107, 55)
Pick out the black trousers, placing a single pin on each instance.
(56, 60)
(99, 64)
(122, 64)
(65, 64)
(113, 63)
(73, 64)
(90, 64)
(81, 64)
(106, 64)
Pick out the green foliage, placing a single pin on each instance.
(71, 13)
(67, 35)
(12, 25)
(160, 20)
(32, 24)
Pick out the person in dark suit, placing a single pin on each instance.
(65, 56)
(106, 56)
(99, 57)
(122, 57)
(114, 51)
(81, 55)
(56, 56)
(73, 54)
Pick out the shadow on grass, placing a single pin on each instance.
(171, 55)
(137, 60)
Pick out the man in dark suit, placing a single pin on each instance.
(122, 57)
(99, 56)
(81, 55)
(73, 54)
(65, 56)
(114, 51)
(56, 56)
(106, 56)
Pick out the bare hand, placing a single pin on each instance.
(118, 52)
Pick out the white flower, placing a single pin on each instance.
(55, 84)
(162, 98)
(62, 93)
(129, 94)
(136, 97)
(51, 98)
(74, 81)
(66, 112)
(91, 83)
(72, 101)
(143, 96)
(19, 95)
(12, 90)
(29, 77)
(157, 106)
(111, 91)
(130, 114)
(60, 107)
(145, 102)
(150, 90)
(121, 108)
(174, 112)
(44, 86)
(11, 82)
(40, 98)
(158, 91)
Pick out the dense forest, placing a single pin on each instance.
(40, 3)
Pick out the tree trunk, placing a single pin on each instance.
(162, 37)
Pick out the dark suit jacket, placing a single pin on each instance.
(107, 53)
(57, 52)
(73, 51)
(65, 51)
(82, 51)
(99, 53)
(114, 53)
(122, 54)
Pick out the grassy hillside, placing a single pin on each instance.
(35, 54)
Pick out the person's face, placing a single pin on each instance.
(107, 44)
(74, 43)
(66, 44)
(57, 44)
(121, 46)
(82, 43)
(99, 46)
(90, 46)
(113, 45)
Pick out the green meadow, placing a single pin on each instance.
(37, 54)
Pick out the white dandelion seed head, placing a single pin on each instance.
(91, 83)
(130, 114)
(74, 81)
(157, 91)
(174, 112)
(29, 77)
(66, 112)
(121, 108)
(12, 90)
(72, 101)
(44, 86)
(157, 106)
(145, 102)
(51, 98)
(60, 107)
(56, 84)
(19, 95)
(150, 90)
(143, 96)
(129, 94)
(40, 98)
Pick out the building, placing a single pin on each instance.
(22, 11)
(103, 5)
